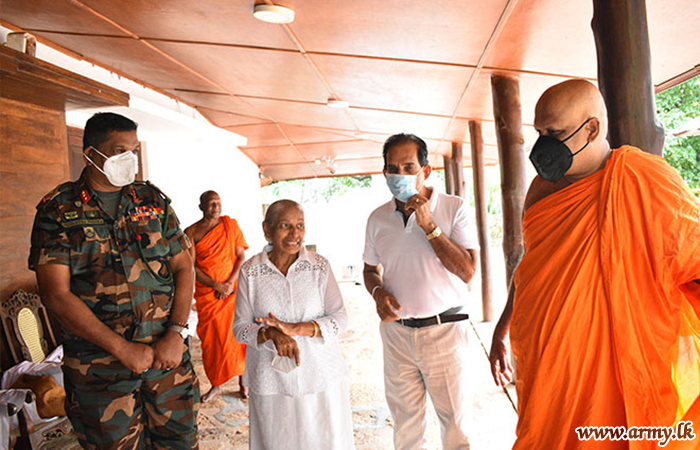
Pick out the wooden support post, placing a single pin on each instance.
(511, 152)
(457, 170)
(477, 141)
(624, 74)
(449, 175)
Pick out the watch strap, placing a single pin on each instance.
(182, 331)
(433, 234)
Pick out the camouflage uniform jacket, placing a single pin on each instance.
(107, 270)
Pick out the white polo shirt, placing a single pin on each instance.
(413, 272)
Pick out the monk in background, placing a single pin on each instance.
(604, 311)
(219, 253)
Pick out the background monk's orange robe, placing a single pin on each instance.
(222, 355)
(605, 326)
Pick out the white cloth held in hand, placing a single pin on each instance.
(283, 364)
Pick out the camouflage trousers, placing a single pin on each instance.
(110, 407)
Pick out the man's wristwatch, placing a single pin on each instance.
(179, 329)
(433, 234)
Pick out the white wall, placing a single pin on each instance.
(185, 165)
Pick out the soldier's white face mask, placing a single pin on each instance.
(120, 169)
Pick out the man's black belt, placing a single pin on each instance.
(434, 320)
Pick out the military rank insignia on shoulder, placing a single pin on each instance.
(60, 189)
(51, 195)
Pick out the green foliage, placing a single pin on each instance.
(676, 106)
(338, 186)
(309, 190)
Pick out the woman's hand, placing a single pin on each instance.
(285, 345)
(288, 328)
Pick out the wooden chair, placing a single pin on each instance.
(26, 327)
(28, 332)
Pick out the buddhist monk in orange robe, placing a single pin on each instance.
(604, 312)
(219, 252)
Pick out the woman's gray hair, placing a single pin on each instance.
(275, 210)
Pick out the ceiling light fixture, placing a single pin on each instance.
(337, 103)
(273, 13)
(329, 162)
(360, 135)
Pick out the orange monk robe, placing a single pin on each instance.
(605, 326)
(222, 355)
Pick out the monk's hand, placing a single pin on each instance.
(285, 345)
(135, 357)
(167, 351)
(420, 205)
(230, 285)
(222, 290)
(288, 328)
(387, 305)
(500, 361)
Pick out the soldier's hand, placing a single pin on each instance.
(387, 305)
(167, 351)
(285, 345)
(135, 357)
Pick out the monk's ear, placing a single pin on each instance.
(593, 128)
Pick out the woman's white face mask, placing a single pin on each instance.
(120, 169)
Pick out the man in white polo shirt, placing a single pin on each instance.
(427, 252)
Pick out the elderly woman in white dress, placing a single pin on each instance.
(289, 312)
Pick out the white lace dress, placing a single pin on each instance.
(308, 407)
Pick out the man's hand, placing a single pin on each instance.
(290, 329)
(167, 351)
(500, 361)
(421, 206)
(387, 305)
(135, 357)
(285, 345)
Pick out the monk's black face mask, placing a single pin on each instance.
(552, 157)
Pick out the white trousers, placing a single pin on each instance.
(433, 360)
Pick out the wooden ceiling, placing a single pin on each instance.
(422, 67)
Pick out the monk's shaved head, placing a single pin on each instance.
(562, 109)
(210, 205)
(572, 100)
(206, 195)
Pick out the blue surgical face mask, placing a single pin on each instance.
(402, 187)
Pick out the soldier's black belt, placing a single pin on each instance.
(434, 320)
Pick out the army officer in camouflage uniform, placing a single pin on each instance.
(108, 255)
